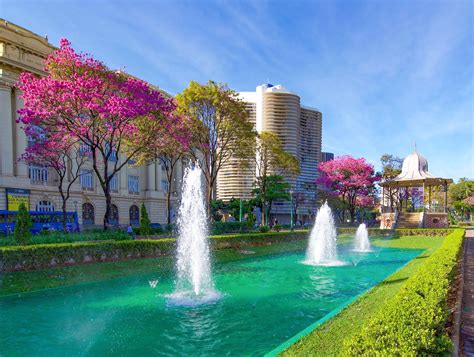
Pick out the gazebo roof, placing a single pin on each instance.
(415, 173)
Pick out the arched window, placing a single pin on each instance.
(114, 218)
(87, 213)
(134, 215)
(45, 206)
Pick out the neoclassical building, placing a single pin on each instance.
(22, 50)
(275, 109)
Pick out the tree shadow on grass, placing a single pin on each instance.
(394, 281)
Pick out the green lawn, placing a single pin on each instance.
(328, 338)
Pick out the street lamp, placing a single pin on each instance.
(241, 209)
(291, 210)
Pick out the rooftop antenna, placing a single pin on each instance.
(415, 145)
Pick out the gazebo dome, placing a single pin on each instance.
(415, 174)
(415, 167)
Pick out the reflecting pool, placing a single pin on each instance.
(265, 299)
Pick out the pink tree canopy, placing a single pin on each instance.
(351, 179)
(107, 111)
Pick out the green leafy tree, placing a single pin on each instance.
(276, 189)
(23, 226)
(220, 126)
(391, 168)
(459, 194)
(234, 207)
(145, 226)
(217, 206)
(271, 163)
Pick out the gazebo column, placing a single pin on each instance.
(429, 198)
(406, 199)
(423, 196)
(445, 196)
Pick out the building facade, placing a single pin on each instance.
(21, 50)
(277, 110)
(327, 156)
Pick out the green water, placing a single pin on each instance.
(266, 299)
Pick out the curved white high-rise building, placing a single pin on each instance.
(277, 110)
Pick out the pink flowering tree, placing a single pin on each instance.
(351, 179)
(113, 115)
(169, 153)
(58, 151)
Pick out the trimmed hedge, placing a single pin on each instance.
(29, 257)
(431, 232)
(413, 322)
(427, 232)
(230, 227)
(61, 237)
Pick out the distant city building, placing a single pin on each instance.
(21, 50)
(277, 110)
(326, 156)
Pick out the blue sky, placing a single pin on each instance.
(384, 73)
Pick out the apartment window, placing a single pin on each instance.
(165, 185)
(86, 179)
(113, 154)
(133, 184)
(36, 135)
(45, 206)
(87, 213)
(114, 217)
(84, 150)
(114, 183)
(38, 174)
(134, 215)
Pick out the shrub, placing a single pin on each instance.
(51, 237)
(23, 226)
(145, 228)
(230, 227)
(277, 227)
(151, 231)
(263, 229)
(414, 321)
(432, 232)
(48, 255)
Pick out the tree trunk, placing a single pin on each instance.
(352, 212)
(210, 185)
(168, 203)
(63, 205)
(108, 207)
(64, 216)
(262, 210)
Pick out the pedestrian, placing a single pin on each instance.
(130, 232)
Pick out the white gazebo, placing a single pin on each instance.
(395, 196)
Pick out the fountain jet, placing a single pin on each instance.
(194, 283)
(323, 240)
(362, 243)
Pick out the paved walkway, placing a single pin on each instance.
(467, 309)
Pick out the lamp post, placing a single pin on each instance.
(241, 209)
(291, 210)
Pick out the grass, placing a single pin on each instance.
(328, 338)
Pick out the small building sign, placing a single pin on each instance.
(17, 196)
